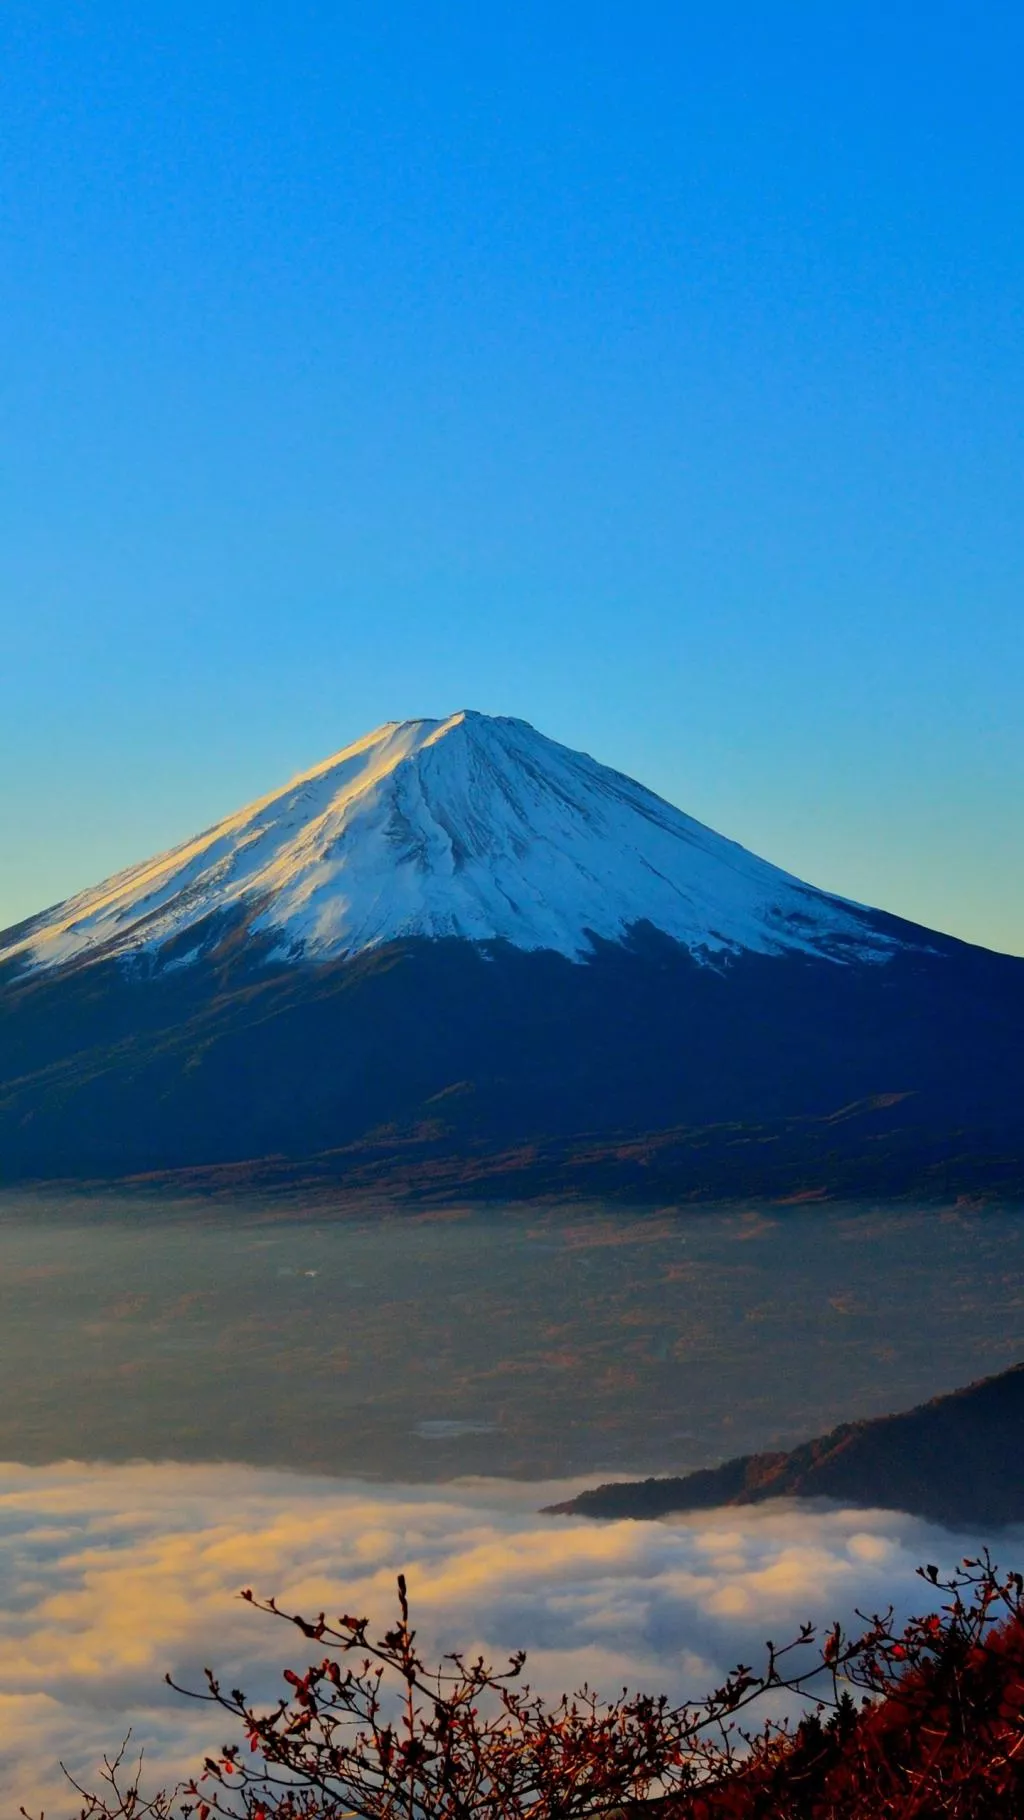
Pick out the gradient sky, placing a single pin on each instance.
(652, 371)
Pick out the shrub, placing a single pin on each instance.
(910, 1723)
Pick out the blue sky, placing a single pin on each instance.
(654, 372)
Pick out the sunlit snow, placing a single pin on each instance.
(475, 827)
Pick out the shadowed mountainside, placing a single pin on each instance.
(958, 1459)
(432, 1067)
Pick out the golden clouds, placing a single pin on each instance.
(109, 1576)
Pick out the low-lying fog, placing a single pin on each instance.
(387, 1362)
(531, 1344)
(111, 1576)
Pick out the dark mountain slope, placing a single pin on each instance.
(958, 1459)
(637, 1071)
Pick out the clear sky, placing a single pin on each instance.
(652, 371)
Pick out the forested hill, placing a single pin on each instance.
(958, 1459)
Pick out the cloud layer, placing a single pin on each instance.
(110, 1576)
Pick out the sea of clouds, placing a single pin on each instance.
(111, 1576)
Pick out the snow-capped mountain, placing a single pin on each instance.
(474, 827)
(459, 958)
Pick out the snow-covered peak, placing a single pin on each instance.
(477, 827)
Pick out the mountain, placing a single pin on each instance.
(458, 957)
(958, 1460)
(474, 828)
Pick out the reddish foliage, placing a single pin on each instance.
(939, 1731)
(922, 1723)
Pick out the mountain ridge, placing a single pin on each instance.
(899, 1462)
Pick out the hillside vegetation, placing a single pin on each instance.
(900, 1462)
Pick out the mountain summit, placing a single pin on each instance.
(458, 958)
(475, 827)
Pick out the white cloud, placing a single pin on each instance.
(109, 1576)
